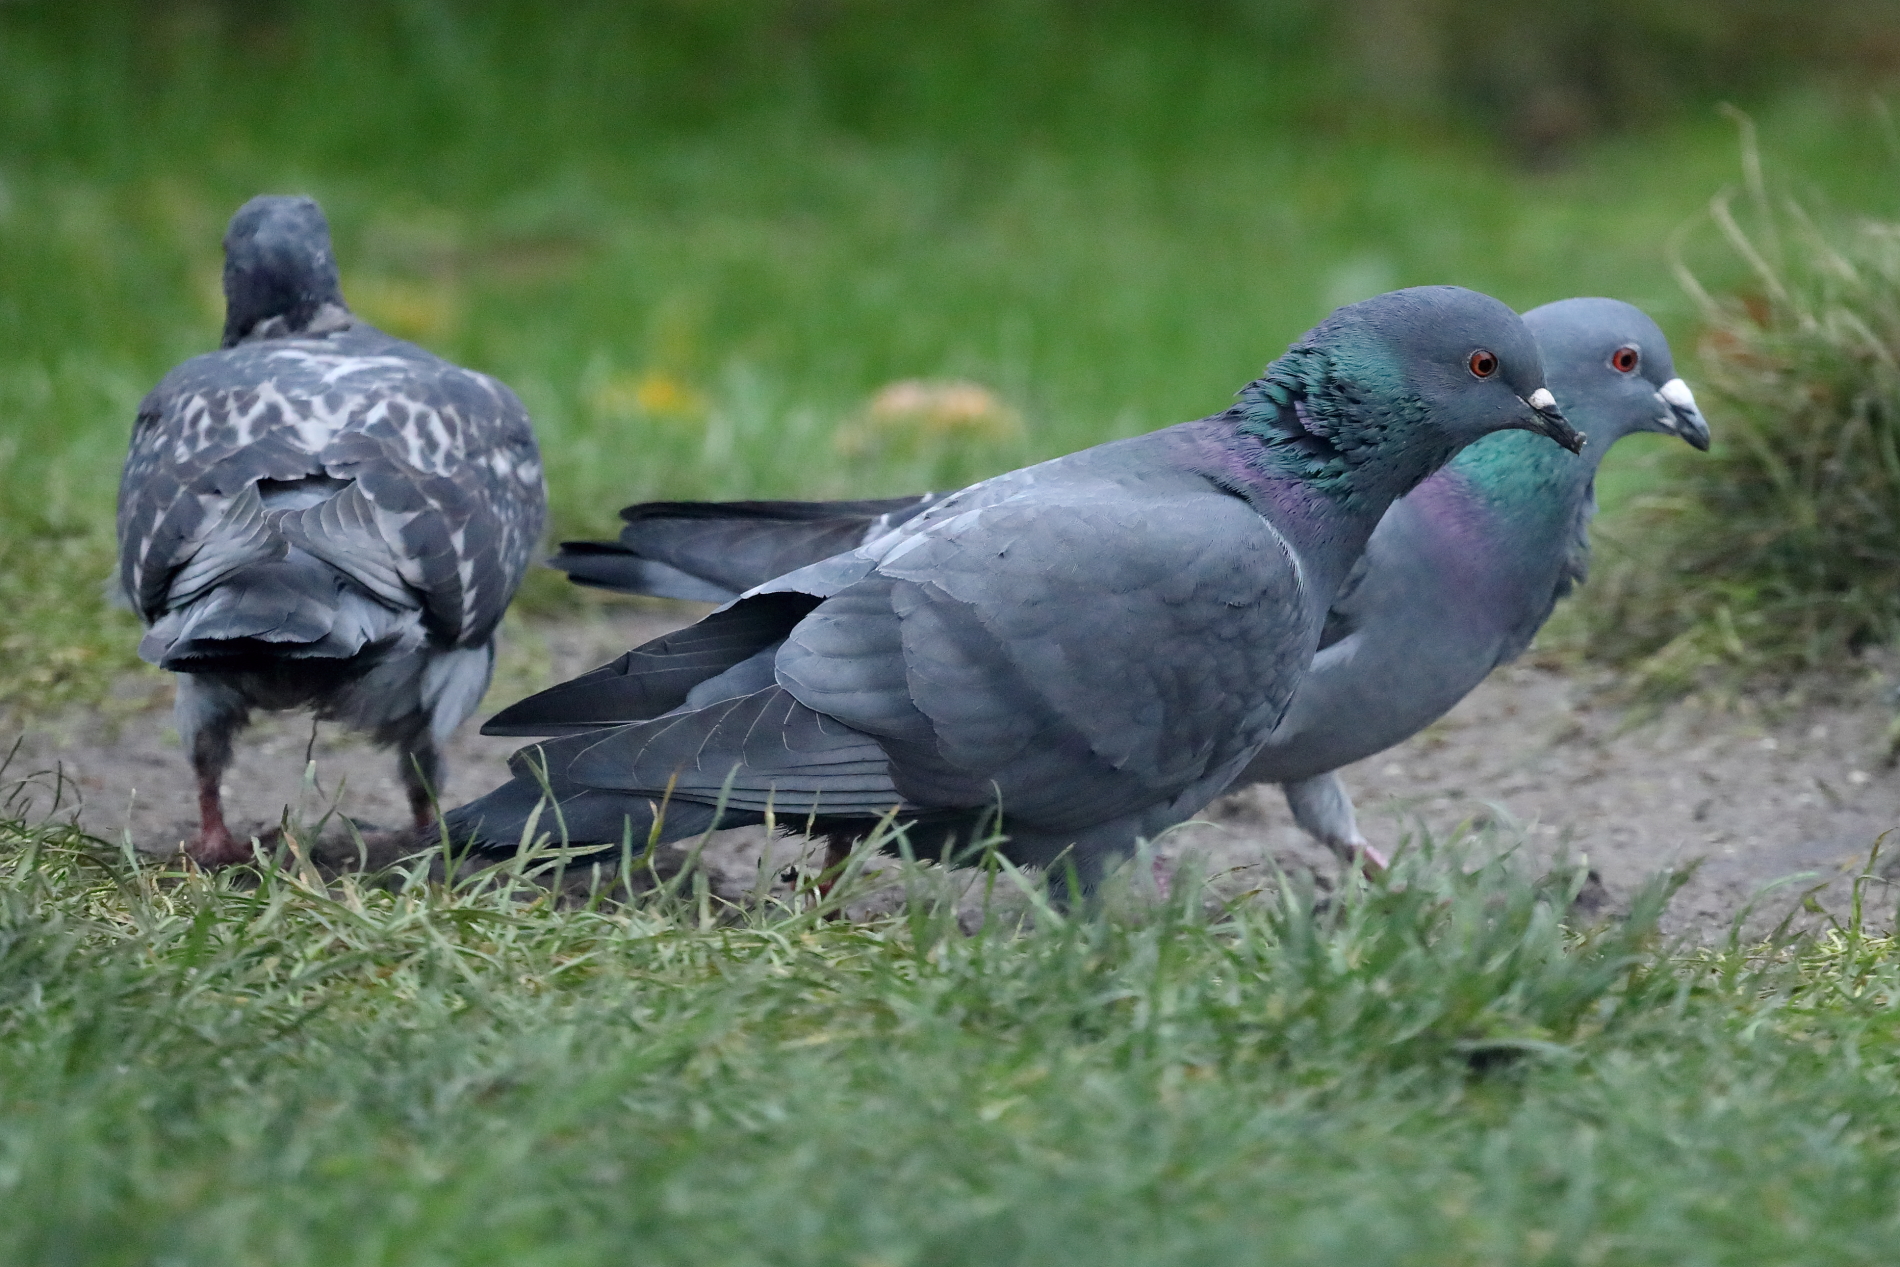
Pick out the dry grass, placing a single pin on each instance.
(1779, 552)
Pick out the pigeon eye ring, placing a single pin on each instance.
(1483, 363)
(1625, 359)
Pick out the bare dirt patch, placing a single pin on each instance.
(1535, 754)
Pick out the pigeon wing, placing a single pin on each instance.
(657, 676)
(1083, 652)
(758, 752)
(448, 490)
(211, 430)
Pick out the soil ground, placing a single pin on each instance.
(1536, 758)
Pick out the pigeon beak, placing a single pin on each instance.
(1550, 421)
(1681, 416)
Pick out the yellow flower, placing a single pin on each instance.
(655, 393)
(910, 410)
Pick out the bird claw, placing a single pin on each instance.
(218, 848)
(1360, 853)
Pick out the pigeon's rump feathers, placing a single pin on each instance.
(417, 479)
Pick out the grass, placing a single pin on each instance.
(697, 278)
(700, 242)
(1777, 555)
(1434, 1070)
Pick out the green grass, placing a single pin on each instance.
(1435, 1070)
(696, 242)
(697, 238)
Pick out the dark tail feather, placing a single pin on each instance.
(755, 754)
(609, 565)
(715, 550)
(496, 822)
(293, 608)
(657, 676)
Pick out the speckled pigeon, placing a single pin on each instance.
(1094, 646)
(1459, 576)
(321, 516)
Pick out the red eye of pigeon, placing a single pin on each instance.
(1625, 360)
(1483, 363)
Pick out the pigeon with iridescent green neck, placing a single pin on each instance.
(1093, 647)
(1463, 572)
(1459, 576)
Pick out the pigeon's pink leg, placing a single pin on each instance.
(215, 846)
(1372, 864)
(209, 713)
(1323, 810)
(837, 851)
(420, 765)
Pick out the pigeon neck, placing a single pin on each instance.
(1313, 423)
(1314, 453)
(1522, 478)
(325, 318)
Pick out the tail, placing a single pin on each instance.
(757, 754)
(578, 817)
(715, 551)
(609, 565)
(289, 608)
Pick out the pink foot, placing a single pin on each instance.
(215, 845)
(218, 848)
(1372, 864)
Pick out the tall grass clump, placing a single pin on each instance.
(1780, 550)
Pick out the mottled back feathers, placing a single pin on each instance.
(418, 479)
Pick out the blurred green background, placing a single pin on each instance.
(699, 236)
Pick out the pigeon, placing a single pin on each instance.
(1077, 655)
(320, 516)
(1457, 579)
(1463, 572)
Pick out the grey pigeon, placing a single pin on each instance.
(1457, 579)
(1095, 646)
(1464, 571)
(321, 516)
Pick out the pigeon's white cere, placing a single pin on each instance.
(1541, 399)
(1677, 393)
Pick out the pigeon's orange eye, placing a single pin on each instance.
(1625, 359)
(1483, 363)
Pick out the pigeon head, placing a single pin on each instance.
(1611, 370)
(1384, 392)
(280, 275)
